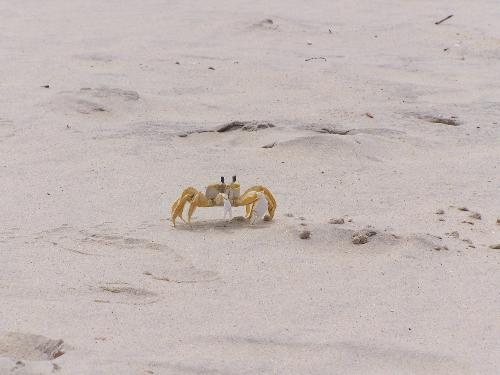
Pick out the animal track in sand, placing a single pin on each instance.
(112, 288)
(265, 24)
(339, 220)
(184, 275)
(122, 293)
(332, 129)
(97, 100)
(87, 107)
(7, 129)
(25, 346)
(452, 121)
(109, 92)
(96, 56)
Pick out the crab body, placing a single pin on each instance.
(257, 200)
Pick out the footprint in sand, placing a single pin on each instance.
(25, 346)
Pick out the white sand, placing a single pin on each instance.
(90, 166)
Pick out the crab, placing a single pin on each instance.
(217, 194)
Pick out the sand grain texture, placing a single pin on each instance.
(361, 110)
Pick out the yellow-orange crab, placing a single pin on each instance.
(216, 194)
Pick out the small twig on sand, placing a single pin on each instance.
(315, 58)
(444, 19)
(369, 115)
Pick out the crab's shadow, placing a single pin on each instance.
(237, 223)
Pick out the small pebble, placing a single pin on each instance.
(309, 43)
(365, 232)
(211, 68)
(475, 215)
(462, 208)
(238, 219)
(302, 218)
(305, 235)
(495, 246)
(359, 239)
(337, 221)
(440, 212)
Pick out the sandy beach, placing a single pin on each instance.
(376, 129)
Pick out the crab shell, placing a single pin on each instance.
(214, 196)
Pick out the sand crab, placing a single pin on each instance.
(257, 200)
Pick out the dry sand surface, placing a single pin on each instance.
(381, 118)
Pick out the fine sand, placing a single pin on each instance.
(376, 129)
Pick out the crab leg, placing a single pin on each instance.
(178, 206)
(248, 200)
(190, 191)
(199, 200)
(248, 209)
(269, 196)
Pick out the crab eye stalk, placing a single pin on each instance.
(234, 178)
(222, 179)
